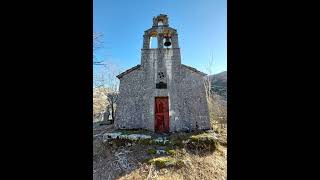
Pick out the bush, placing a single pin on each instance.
(206, 138)
(152, 151)
(161, 162)
(203, 141)
(170, 151)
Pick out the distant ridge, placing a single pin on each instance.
(219, 84)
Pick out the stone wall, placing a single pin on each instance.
(188, 109)
(185, 89)
(193, 105)
(129, 104)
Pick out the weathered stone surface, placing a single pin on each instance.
(119, 135)
(188, 109)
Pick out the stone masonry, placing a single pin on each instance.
(188, 109)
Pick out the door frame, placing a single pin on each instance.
(154, 118)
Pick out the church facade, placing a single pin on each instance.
(161, 94)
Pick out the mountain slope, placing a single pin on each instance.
(219, 83)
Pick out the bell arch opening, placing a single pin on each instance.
(160, 23)
(153, 42)
(167, 42)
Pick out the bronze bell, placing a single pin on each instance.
(167, 42)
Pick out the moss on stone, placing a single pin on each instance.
(176, 142)
(170, 151)
(161, 162)
(204, 141)
(205, 138)
(178, 139)
(146, 160)
(152, 151)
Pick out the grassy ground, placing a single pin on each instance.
(186, 156)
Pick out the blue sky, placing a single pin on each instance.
(201, 27)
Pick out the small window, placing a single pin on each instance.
(161, 85)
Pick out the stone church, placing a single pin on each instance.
(161, 94)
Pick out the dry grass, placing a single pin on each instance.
(131, 162)
(195, 167)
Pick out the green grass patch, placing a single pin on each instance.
(177, 139)
(170, 151)
(203, 141)
(205, 138)
(152, 151)
(161, 162)
(145, 141)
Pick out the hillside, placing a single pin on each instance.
(122, 155)
(144, 155)
(219, 84)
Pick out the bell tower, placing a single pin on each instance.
(167, 41)
(167, 36)
(161, 94)
(160, 70)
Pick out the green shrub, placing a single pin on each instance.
(152, 151)
(161, 162)
(203, 141)
(205, 138)
(170, 151)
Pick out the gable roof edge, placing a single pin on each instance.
(128, 71)
(194, 70)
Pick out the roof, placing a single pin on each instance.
(128, 71)
(166, 27)
(138, 66)
(194, 69)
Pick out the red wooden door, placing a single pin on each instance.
(161, 114)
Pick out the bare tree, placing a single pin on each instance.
(217, 107)
(207, 80)
(97, 44)
(111, 71)
(105, 80)
(100, 102)
(112, 98)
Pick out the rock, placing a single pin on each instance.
(108, 136)
(160, 151)
(119, 135)
(138, 136)
(161, 140)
